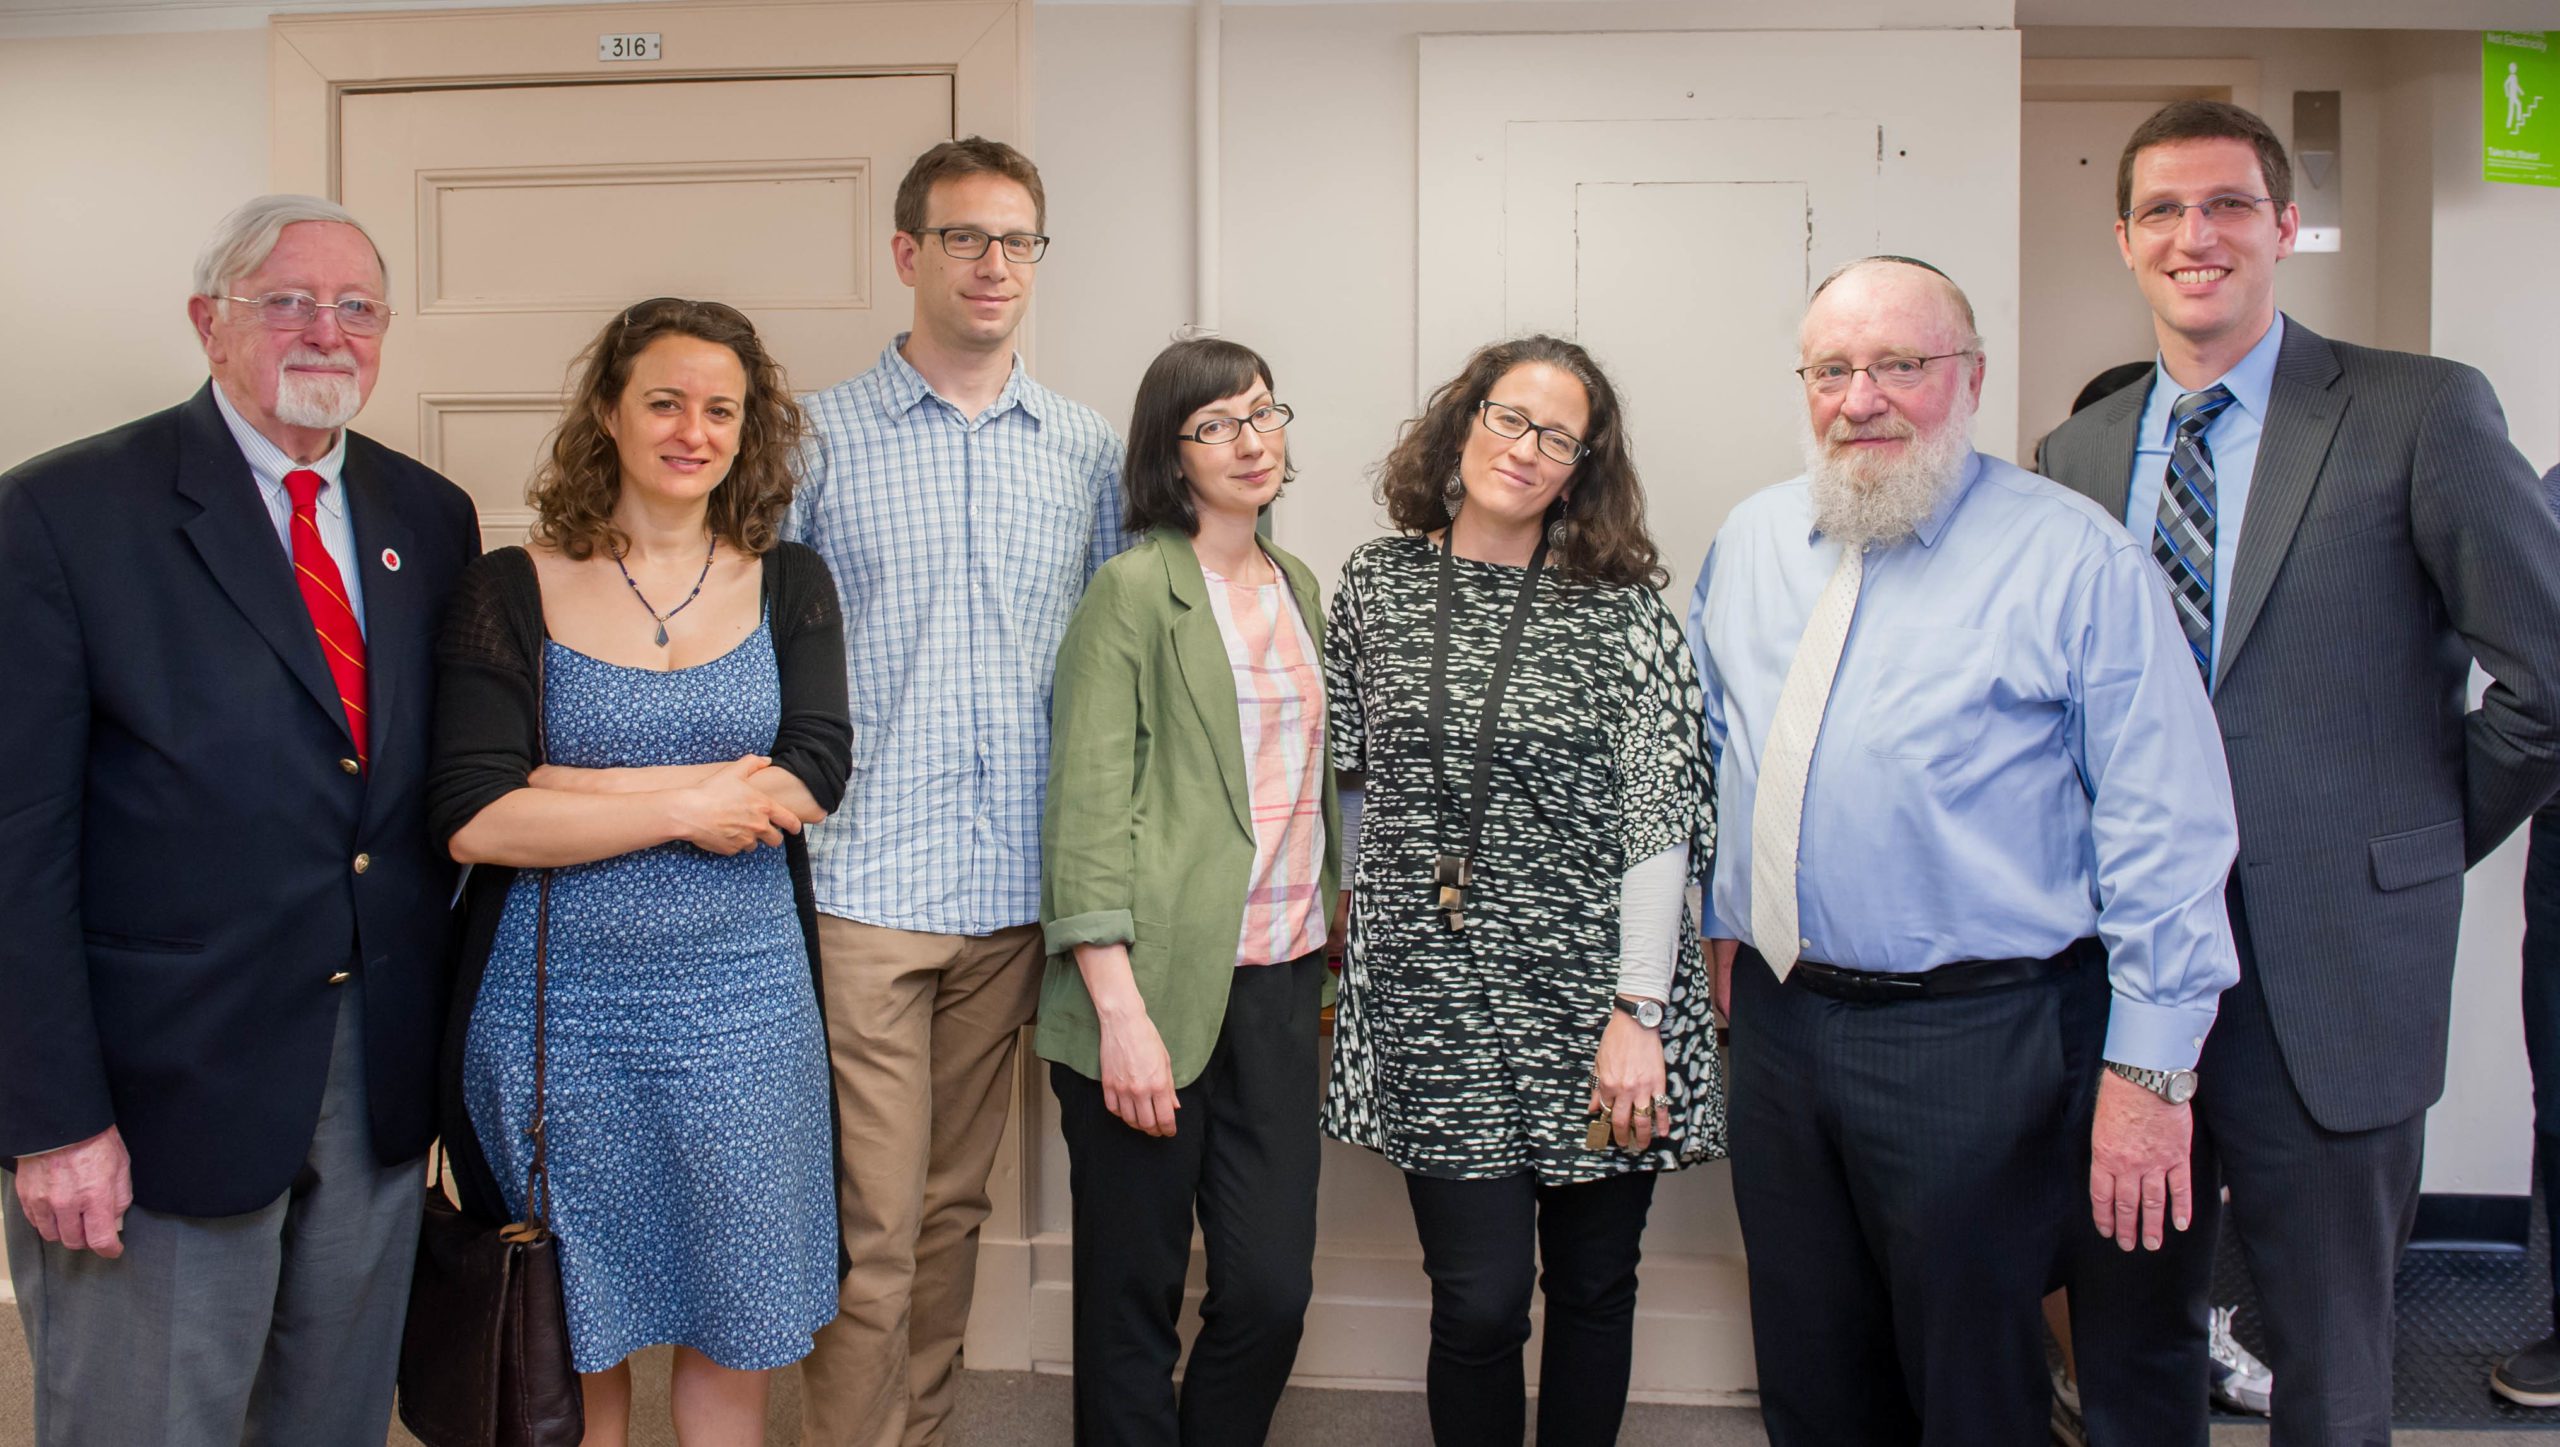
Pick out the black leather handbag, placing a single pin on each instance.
(485, 1358)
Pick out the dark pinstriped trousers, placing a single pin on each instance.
(2322, 1218)
(1902, 1175)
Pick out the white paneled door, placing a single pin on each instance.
(517, 220)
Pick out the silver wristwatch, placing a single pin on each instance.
(2174, 1086)
(1647, 1013)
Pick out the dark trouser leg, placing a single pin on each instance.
(2542, 1012)
(1132, 1196)
(1589, 1238)
(2138, 1317)
(1257, 1203)
(1952, 1118)
(2322, 1217)
(1478, 1248)
(1821, 1317)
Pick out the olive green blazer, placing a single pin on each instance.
(1148, 835)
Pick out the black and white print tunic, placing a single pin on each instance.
(1469, 1054)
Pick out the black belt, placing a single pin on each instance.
(1964, 977)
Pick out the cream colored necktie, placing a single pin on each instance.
(1777, 814)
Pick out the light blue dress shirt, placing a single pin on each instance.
(960, 545)
(2017, 753)
(269, 463)
(2232, 437)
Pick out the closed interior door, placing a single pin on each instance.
(1737, 287)
(517, 220)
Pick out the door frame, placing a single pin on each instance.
(315, 61)
(984, 45)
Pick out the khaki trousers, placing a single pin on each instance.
(921, 1029)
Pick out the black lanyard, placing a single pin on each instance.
(1453, 872)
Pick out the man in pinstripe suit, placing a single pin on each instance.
(2344, 530)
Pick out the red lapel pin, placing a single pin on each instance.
(391, 559)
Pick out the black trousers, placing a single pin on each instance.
(2322, 1218)
(2542, 1016)
(1902, 1174)
(1243, 1156)
(1481, 1244)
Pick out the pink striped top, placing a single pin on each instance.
(1280, 705)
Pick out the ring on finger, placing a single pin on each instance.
(1641, 1107)
(1662, 1103)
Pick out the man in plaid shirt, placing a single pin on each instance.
(962, 506)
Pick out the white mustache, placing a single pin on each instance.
(341, 360)
(1842, 430)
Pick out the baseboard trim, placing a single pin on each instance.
(2454, 1222)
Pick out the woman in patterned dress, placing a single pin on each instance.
(1186, 867)
(646, 705)
(1523, 1027)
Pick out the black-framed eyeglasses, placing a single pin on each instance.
(2169, 215)
(1218, 431)
(1899, 374)
(1554, 443)
(968, 243)
(293, 311)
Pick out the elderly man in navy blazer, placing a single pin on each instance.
(2343, 531)
(223, 927)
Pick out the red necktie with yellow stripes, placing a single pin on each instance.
(324, 592)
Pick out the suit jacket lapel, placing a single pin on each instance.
(234, 535)
(1201, 651)
(390, 600)
(2302, 416)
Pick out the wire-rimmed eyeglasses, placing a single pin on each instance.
(1898, 374)
(2167, 215)
(293, 311)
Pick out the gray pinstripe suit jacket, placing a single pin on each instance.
(2393, 535)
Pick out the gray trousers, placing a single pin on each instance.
(279, 1328)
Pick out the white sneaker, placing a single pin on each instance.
(2066, 1412)
(2241, 1382)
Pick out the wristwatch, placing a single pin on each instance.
(1647, 1013)
(2174, 1086)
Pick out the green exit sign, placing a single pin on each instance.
(2519, 129)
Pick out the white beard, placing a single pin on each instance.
(319, 400)
(1864, 503)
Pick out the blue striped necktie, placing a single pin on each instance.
(2182, 532)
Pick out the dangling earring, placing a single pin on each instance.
(1556, 526)
(1454, 491)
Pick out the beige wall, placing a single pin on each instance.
(123, 152)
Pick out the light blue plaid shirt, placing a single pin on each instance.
(960, 546)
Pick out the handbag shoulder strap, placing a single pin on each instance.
(537, 1182)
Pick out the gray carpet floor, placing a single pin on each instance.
(1024, 1409)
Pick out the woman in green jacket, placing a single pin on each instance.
(1187, 859)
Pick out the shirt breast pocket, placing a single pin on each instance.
(1933, 694)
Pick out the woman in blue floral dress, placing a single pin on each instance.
(646, 705)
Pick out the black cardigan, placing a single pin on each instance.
(488, 739)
